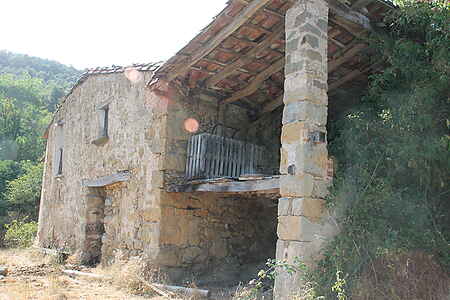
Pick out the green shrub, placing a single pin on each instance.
(391, 188)
(20, 234)
(23, 193)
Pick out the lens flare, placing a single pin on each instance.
(191, 125)
(134, 75)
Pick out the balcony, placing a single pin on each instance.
(225, 165)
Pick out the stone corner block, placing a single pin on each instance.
(296, 228)
(313, 209)
(305, 111)
(302, 229)
(296, 185)
(302, 86)
(285, 207)
(312, 158)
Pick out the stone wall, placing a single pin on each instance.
(213, 236)
(136, 130)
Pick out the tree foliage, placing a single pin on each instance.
(47, 70)
(33, 77)
(23, 193)
(29, 90)
(392, 189)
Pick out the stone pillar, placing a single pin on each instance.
(303, 225)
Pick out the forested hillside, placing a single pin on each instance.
(30, 88)
(53, 77)
(47, 70)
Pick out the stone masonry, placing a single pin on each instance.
(303, 222)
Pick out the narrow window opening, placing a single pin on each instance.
(105, 121)
(60, 162)
(103, 133)
(58, 152)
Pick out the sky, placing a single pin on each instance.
(91, 33)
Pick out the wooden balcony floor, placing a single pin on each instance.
(264, 185)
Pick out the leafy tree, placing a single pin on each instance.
(21, 130)
(24, 192)
(30, 88)
(9, 170)
(47, 70)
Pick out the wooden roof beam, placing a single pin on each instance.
(351, 20)
(246, 14)
(349, 54)
(254, 85)
(240, 62)
(361, 3)
(273, 104)
(346, 78)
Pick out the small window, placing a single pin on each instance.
(103, 117)
(60, 162)
(58, 156)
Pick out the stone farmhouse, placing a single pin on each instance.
(217, 158)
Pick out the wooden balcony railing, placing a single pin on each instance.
(212, 156)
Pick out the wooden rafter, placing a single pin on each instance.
(350, 19)
(349, 54)
(361, 3)
(233, 67)
(273, 104)
(254, 85)
(346, 78)
(336, 42)
(246, 14)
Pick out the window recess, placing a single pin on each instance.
(103, 135)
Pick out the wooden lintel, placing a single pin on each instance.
(107, 180)
(247, 13)
(254, 85)
(271, 185)
(349, 54)
(237, 64)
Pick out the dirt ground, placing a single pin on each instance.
(32, 276)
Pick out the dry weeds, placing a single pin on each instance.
(412, 276)
(33, 276)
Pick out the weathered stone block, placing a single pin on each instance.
(169, 256)
(300, 86)
(312, 158)
(296, 185)
(157, 180)
(284, 206)
(313, 209)
(305, 111)
(151, 215)
(297, 228)
(294, 133)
